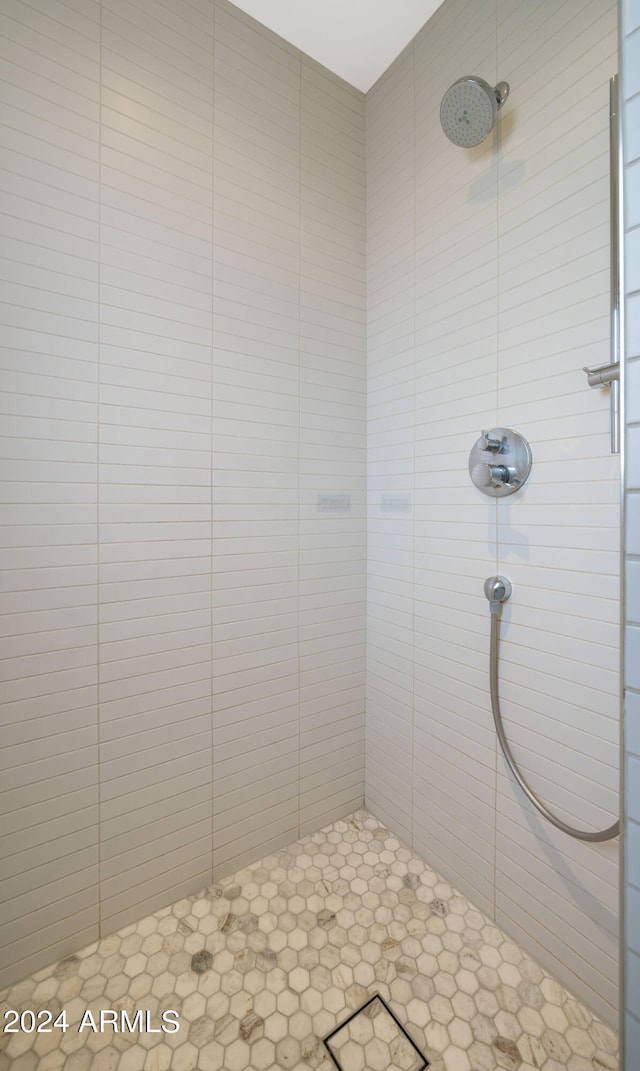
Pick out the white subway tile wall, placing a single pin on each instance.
(630, 97)
(256, 431)
(332, 447)
(489, 291)
(183, 275)
(49, 262)
(390, 413)
(183, 375)
(559, 540)
(154, 457)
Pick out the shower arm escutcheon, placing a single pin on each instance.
(497, 590)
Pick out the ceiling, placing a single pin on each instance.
(356, 39)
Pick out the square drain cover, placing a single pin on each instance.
(372, 1039)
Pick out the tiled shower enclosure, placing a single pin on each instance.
(344, 950)
(227, 273)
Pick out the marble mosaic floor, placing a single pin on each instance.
(260, 968)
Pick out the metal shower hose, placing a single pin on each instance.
(579, 834)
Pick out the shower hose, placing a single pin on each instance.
(579, 834)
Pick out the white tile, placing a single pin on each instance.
(632, 648)
(632, 255)
(631, 143)
(633, 457)
(632, 325)
(630, 16)
(632, 1026)
(630, 79)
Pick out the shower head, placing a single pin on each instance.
(469, 109)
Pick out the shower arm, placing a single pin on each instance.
(498, 589)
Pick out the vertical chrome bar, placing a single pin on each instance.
(614, 194)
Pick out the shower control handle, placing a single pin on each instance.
(500, 462)
(494, 444)
(493, 475)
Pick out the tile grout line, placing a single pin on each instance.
(212, 440)
(299, 437)
(98, 473)
(496, 757)
(414, 533)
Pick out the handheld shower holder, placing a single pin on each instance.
(497, 590)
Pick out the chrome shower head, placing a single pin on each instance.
(469, 109)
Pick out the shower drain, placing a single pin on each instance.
(372, 1039)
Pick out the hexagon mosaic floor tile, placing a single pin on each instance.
(372, 1039)
(256, 971)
